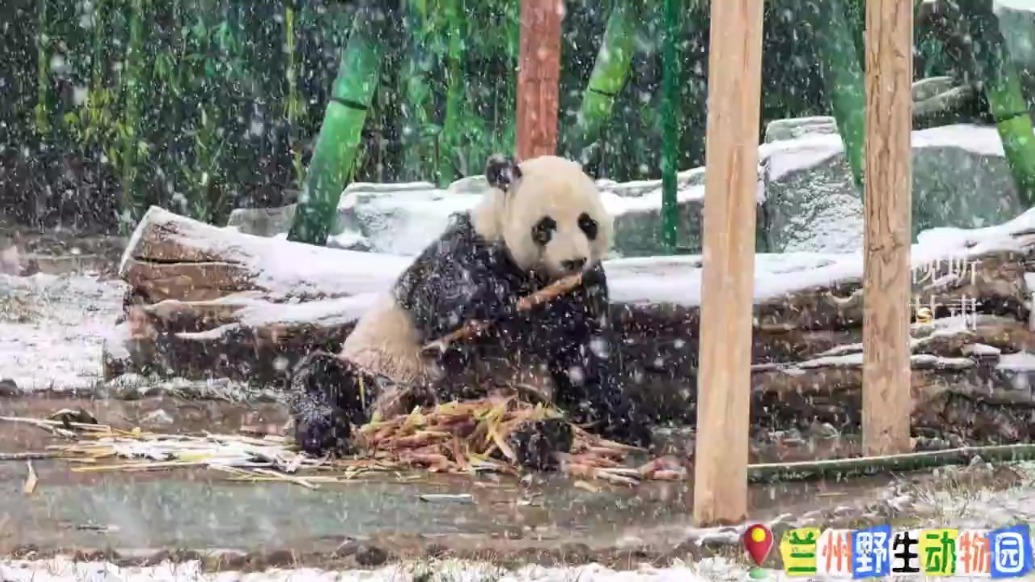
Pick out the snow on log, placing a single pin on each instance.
(212, 302)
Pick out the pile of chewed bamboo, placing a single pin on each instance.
(459, 437)
(466, 436)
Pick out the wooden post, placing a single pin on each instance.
(888, 205)
(731, 187)
(539, 77)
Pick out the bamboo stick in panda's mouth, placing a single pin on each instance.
(527, 303)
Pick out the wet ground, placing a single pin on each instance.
(202, 509)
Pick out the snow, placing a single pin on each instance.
(52, 329)
(63, 569)
(1019, 5)
(855, 360)
(1021, 361)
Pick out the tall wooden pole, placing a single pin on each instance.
(731, 185)
(539, 76)
(888, 205)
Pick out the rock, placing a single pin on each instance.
(926, 88)
(798, 127)
(368, 555)
(636, 207)
(398, 219)
(8, 388)
(402, 219)
(265, 222)
(960, 178)
(470, 185)
(1017, 23)
(158, 416)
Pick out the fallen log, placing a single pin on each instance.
(207, 302)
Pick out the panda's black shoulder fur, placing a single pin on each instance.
(460, 277)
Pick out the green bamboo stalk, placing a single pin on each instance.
(417, 111)
(42, 110)
(1005, 98)
(132, 208)
(293, 103)
(340, 132)
(843, 77)
(447, 168)
(670, 126)
(610, 72)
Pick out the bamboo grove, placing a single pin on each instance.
(204, 105)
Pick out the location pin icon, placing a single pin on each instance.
(758, 541)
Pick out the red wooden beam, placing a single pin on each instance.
(539, 76)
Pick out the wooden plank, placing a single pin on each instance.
(731, 186)
(888, 207)
(539, 77)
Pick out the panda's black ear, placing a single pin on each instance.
(501, 172)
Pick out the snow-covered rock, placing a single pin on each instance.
(262, 221)
(960, 178)
(402, 219)
(807, 199)
(1017, 22)
(399, 219)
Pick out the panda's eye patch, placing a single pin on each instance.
(543, 230)
(588, 226)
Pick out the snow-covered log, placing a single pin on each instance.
(210, 301)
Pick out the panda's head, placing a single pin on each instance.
(548, 214)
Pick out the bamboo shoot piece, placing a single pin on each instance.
(340, 133)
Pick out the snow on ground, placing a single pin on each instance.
(52, 328)
(61, 570)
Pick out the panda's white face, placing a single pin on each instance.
(550, 218)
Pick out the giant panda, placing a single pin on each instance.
(543, 219)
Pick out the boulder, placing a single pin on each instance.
(403, 218)
(262, 221)
(960, 178)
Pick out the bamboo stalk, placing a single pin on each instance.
(341, 130)
(455, 87)
(843, 78)
(610, 71)
(292, 105)
(1005, 97)
(670, 126)
(130, 204)
(856, 466)
(417, 112)
(42, 110)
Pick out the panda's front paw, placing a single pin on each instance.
(322, 434)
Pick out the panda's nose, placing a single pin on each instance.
(573, 265)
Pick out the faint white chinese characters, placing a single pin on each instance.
(961, 269)
(963, 307)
